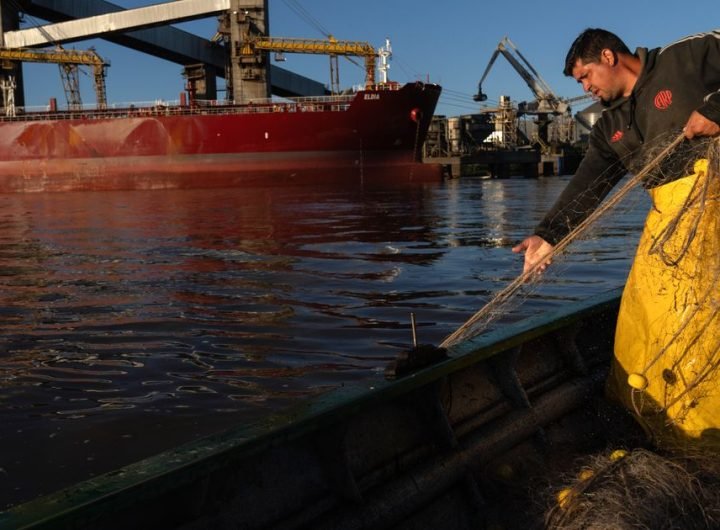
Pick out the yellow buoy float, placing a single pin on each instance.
(563, 497)
(586, 474)
(637, 381)
(617, 454)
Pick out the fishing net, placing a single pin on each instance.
(668, 337)
(526, 283)
(639, 489)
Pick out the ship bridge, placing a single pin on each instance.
(148, 30)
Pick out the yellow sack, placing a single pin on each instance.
(667, 343)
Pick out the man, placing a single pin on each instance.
(667, 344)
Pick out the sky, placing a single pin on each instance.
(449, 43)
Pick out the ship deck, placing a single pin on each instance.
(309, 104)
(333, 103)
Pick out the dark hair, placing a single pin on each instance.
(589, 45)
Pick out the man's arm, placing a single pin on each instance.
(598, 172)
(705, 52)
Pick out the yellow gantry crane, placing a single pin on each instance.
(68, 61)
(331, 47)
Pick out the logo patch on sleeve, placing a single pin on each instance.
(663, 99)
(617, 136)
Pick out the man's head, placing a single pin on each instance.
(597, 59)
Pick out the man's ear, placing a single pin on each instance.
(608, 57)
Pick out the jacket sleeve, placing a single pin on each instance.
(598, 172)
(706, 52)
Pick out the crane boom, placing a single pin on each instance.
(330, 47)
(546, 99)
(88, 57)
(541, 87)
(65, 58)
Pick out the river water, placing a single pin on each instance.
(136, 321)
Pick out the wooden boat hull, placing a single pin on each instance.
(427, 450)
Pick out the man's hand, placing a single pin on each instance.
(699, 125)
(536, 250)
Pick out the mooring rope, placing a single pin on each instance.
(468, 329)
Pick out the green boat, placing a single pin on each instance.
(458, 443)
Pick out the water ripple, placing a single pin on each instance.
(143, 320)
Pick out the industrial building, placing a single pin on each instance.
(530, 139)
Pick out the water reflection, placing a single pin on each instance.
(135, 321)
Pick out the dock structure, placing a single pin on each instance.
(491, 163)
(499, 163)
(494, 146)
(147, 30)
(528, 138)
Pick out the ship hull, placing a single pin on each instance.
(372, 136)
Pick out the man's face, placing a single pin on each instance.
(600, 78)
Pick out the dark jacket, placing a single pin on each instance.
(673, 82)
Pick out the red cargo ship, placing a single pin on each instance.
(374, 134)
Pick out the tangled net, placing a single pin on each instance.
(640, 490)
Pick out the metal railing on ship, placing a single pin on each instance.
(176, 108)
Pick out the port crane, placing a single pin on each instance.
(546, 103)
(545, 98)
(331, 47)
(68, 62)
